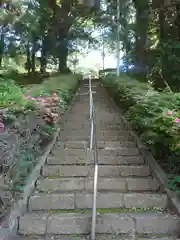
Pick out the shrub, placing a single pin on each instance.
(10, 93)
(29, 130)
(155, 115)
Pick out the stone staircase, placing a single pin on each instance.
(130, 202)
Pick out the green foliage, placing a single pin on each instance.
(32, 24)
(22, 169)
(65, 86)
(10, 93)
(155, 115)
(174, 183)
(49, 131)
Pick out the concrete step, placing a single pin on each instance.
(100, 144)
(142, 184)
(103, 160)
(82, 153)
(98, 237)
(85, 137)
(118, 151)
(72, 127)
(103, 171)
(79, 126)
(84, 132)
(77, 223)
(105, 133)
(79, 121)
(81, 103)
(98, 116)
(100, 121)
(83, 200)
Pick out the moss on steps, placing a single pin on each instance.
(109, 210)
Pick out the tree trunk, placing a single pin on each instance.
(43, 60)
(33, 58)
(63, 55)
(28, 59)
(164, 29)
(63, 31)
(142, 24)
(2, 45)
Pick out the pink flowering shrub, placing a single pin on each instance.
(158, 125)
(46, 104)
(156, 117)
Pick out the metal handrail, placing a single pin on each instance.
(93, 147)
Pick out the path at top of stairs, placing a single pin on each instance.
(130, 202)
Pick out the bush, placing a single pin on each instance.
(155, 115)
(10, 93)
(29, 130)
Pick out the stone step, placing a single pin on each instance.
(103, 171)
(81, 125)
(62, 184)
(100, 121)
(81, 120)
(83, 132)
(105, 133)
(118, 152)
(101, 138)
(77, 223)
(101, 127)
(110, 117)
(82, 153)
(83, 200)
(80, 104)
(98, 237)
(72, 127)
(103, 106)
(81, 100)
(103, 160)
(100, 144)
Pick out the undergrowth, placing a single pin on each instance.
(43, 102)
(155, 116)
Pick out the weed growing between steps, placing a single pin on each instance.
(115, 236)
(29, 118)
(109, 210)
(155, 116)
(153, 236)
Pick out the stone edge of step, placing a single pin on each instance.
(88, 170)
(157, 171)
(83, 200)
(20, 207)
(99, 237)
(85, 183)
(140, 222)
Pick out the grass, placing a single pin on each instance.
(64, 85)
(12, 95)
(13, 98)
